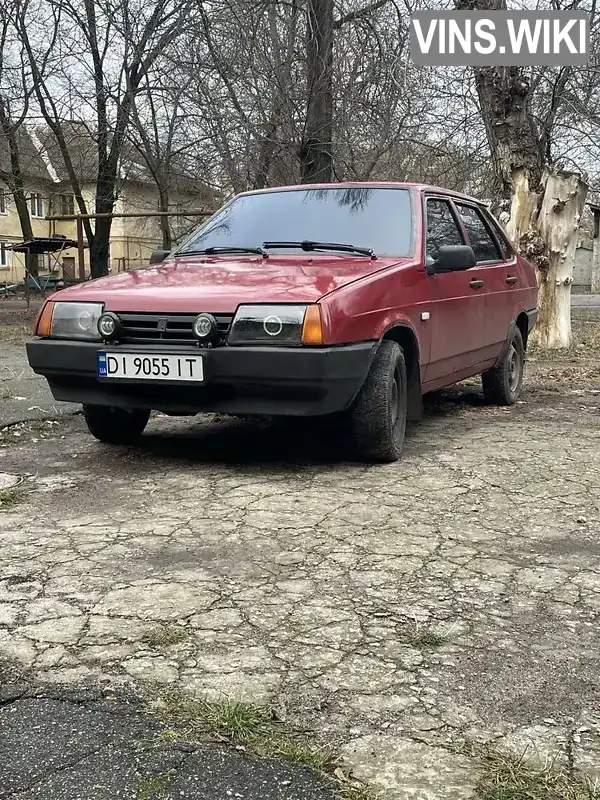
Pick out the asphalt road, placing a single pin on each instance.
(23, 394)
(585, 301)
(60, 744)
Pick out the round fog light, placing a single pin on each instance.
(204, 327)
(108, 325)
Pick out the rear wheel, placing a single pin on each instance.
(378, 415)
(115, 425)
(502, 384)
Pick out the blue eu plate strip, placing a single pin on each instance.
(102, 369)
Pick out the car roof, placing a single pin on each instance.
(415, 187)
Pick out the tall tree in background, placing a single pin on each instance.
(11, 84)
(316, 156)
(156, 135)
(545, 201)
(109, 46)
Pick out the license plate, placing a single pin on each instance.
(134, 366)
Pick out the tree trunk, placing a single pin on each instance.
(557, 226)
(31, 259)
(163, 201)
(316, 157)
(545, 204)
(523, 205)
(15, 182)
(267, 149)
(100, 244)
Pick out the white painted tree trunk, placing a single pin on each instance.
(557, 225)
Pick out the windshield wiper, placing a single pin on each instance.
(213, 251)
(308, 247)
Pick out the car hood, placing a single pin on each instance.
(220, 285)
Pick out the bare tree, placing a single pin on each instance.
(11, 126)
(110, 47)
(316, 156)
(156, 116)
(546, 200)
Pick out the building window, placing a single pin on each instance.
(67, 205)
(36, 205)
(4, 251)
(3, 201)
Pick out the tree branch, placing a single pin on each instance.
(352, 16)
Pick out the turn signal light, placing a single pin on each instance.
(312, 329)
(44, 323)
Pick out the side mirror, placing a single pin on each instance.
(453, 257)
(159, 255)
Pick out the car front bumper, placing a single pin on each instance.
(239, 380)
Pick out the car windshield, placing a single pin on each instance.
(365, 217)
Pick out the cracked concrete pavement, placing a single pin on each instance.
(393, 611)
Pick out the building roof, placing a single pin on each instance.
(41, 159)
(32, 164)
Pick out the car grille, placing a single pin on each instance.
(167, 329)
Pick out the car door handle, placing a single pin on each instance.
(511, 279)
(474, 284)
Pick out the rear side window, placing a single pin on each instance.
(442, 228)
(480, 238)
(503, 240)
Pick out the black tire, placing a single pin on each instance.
(502, 384)
(378, 414)
(115, 425)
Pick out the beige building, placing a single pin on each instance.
(49, 194)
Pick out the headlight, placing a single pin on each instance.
(278, 325)
(70, 320)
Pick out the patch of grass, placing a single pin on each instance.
(424, 638)
(164, 636)
(508, 777)
(258, 731)
(10, 497)
(152, 787)
(238, 723)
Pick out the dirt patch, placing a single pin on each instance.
(16, 320)
(577, 367)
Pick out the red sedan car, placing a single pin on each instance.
(348, 299)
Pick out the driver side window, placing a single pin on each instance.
(442, 228)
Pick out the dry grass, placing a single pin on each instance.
(15, 334)
(424, 638)
(506, 777)
(164, 636)
(10, 497)
(255, 730)
(577, 367)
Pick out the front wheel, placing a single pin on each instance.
(378, 414)
(115, 425)
(502, 384)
